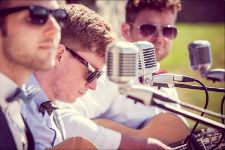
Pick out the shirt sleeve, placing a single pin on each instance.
(130, 113)
(77, 125)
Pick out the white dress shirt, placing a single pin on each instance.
(11, 111)
(45, 132)
(106, 102)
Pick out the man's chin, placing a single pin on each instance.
(158, 59)
(44, 65)
(70, 101)
(159, 56)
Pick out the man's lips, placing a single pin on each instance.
(81, 93)
(47, 44)
(158, 46)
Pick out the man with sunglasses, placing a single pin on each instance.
(153, 21)
(149, 20)
(29, 36)
(79, 60)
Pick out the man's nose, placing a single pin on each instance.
(92, 85)
(53, 28)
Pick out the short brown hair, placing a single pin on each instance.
(4, 3)
(133, 7)
(86, 28)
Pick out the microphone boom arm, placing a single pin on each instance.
(195, 87)
(187, 105)
(189, 115)
(150, 96)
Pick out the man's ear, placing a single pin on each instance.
(61, 49)
(126, 31)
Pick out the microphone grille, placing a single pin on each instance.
(109, 64)
(139, 62)
(121, 60)
(147, 63)
(200, 55)
(204, 55)
(149, 57)
(127, 65)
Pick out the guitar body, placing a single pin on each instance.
(166, 127)
(75, 143)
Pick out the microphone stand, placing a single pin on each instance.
(150, 96)
(187, 105)
(195, 87)
(189, 115)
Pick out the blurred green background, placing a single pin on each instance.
(178, 62)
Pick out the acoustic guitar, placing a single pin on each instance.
(166, 127)
(74, 143)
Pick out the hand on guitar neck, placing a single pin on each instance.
(166, 127)
(75, 143)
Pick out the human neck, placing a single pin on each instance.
(17, 73)
(46, 79)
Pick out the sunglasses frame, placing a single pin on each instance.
(31, 8)
(92, 72)
(161, 28)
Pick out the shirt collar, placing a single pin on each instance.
(7, 87)
(40, 97)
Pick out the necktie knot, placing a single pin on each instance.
(46, 106)
(25, 94)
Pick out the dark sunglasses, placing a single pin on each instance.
(38, 14)
(168, 31)
(92, 72)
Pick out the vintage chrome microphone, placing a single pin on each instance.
(121, 60)
(147, 64)
(200, 56)
(201, 59)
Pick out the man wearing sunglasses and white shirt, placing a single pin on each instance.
(79, 60)
(28, 42)
(152, 21)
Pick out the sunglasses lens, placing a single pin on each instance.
(170, 32)
(39, 15)
(147, 29)
(93, 75)
(60, 15)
